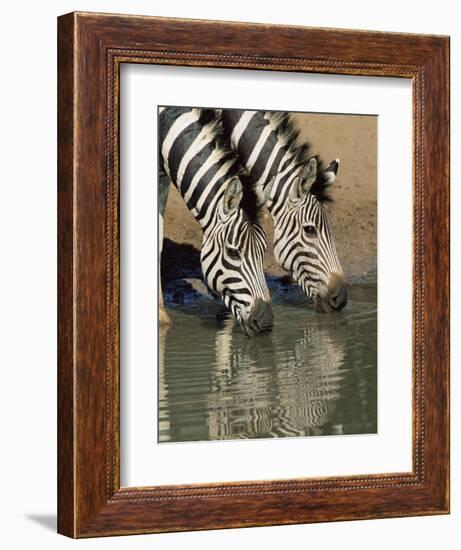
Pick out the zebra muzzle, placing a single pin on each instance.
(261, 319)
(336, 296)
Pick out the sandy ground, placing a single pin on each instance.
(352, 139)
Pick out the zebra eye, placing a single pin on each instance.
(233, 253)
(310, 230)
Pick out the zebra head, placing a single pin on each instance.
(233, 248)
(303, 237)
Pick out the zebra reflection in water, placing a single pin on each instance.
(282, 392)
(251, 389)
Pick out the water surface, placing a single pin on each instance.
(315, 374)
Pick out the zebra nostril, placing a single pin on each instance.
(261, 318)
(337, 292)
(334, 300)
(339, 299)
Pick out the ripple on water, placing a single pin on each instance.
(316, 374)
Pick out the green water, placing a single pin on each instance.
(315, 374)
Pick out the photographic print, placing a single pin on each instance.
(223, 297)
(268, 274)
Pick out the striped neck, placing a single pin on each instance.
(194, 160)
(265, 152)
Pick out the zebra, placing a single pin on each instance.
(298, 188)
(221, 197)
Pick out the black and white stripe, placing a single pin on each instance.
(221, 197)
(297, 187)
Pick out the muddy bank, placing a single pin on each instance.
(352, 139)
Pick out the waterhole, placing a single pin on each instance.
(314, 375)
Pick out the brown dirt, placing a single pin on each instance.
(352, 139)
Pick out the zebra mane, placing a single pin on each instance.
(284, 128)
(252, 201)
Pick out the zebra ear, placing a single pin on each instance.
(303, 182)
(232, 196)
(331, 171)
(267, 191)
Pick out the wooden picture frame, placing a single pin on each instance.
(91, 48)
